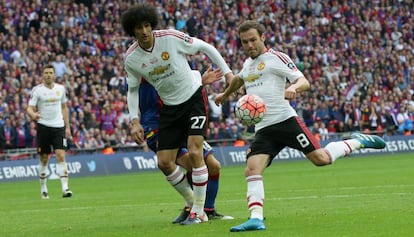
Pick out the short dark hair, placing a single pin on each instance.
(137, 15)
(247, 25)
(47, 66)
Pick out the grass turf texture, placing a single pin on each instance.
(354, 197)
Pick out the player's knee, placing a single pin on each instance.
(321, 163)
(195, 154)
(165, 165)
(213, 165)
(319, 159)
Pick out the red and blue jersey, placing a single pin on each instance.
(149, 105)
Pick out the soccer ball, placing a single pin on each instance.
(250, 109)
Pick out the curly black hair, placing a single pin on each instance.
(137, 15)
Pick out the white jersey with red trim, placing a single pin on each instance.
(266, 77)
(49, 104)
(166, 66)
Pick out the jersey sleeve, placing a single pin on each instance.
(285, 67)
(33, 98)
(133, 77)
(64, 98)
(191, 45)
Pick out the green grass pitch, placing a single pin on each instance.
(358, 196)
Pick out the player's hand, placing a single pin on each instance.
(137, 132)
(290, 93)
(35, 116)
(219, 99)
(68, 133)
(210, 76)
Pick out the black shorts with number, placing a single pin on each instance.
(177, 122)
(289, 133)
(48, 137)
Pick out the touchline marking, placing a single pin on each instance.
(338, 196)
(222, 201)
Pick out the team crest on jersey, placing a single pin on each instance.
(165, 55)
(188, 39)
(261, 66)
(57, 93)
(150, 134)
(252, 77)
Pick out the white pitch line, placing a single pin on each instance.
(222, 201)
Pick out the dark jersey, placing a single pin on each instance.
(149, 105)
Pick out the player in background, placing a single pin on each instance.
(160, 56)
(150, 105)
(47, 106)
(265, 73)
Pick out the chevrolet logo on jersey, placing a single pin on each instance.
(159, 70)
(52, 100)
(252, 77)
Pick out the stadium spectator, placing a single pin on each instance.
(92, 45)
(405, 122)
(8, 135)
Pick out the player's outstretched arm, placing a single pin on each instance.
(235, 83)
(210, 75)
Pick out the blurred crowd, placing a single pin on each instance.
(358, 56)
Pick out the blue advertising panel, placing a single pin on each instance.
(130, 162)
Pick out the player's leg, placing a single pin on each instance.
(43, 149)
(267, 144)
(43, 161)
(62, 171)
(298, 136)
(255, 166)
(196, 129)
(335, 150)
(213, 166)
(181, 187)
(174, 175)
(59, 143)
(171, 126)
(199, 179)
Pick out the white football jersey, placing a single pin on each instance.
(266, 77)
(166, 66)
(49, 104)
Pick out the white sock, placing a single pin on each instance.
(42, 177)
(255, 196)
(342, 148)
(179, 181)
(200, 178)
(62, 170)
